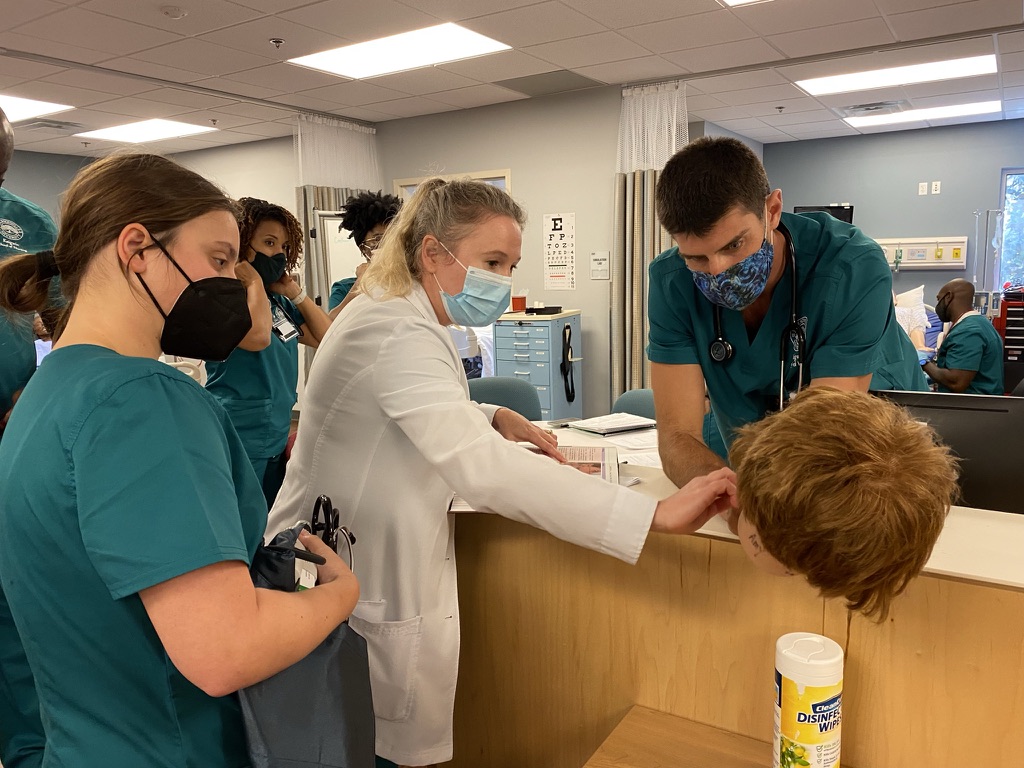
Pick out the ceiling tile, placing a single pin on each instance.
(202, 17)
(413, 106)
(306, 102)
(285, 78)
(498, 66)
(255, 110)
(725, 55)
(360, 21)
(234, 86)
(768, 134)
(273, 6)
(802, 105)
(739, 125)
(78, 27)
(616, 14)
(159, 71)
(189, 99)
(19, 42)
(961, 17)
(902, 6)
(969, 119)
(1013, 107)
(224, 120)
(779, 18)
(201, 56)
(423, 81)
(267, 130)
(15, 14)
(254, 37)
(720, 113)
(702, 29)
(698, 101)
(840, 129)
(1009, 62)
(139, 108)
(477, 96)
(1010, 41)
(534, 25)
(116, 84)
(21, 69)
(825, 126)
(365, 114)
(853, 34)
(602, 48)
(354, 93)
(457, 10)
(795, 118)
(773, 93)
(57, 93)
(1016, 92)
(1010, 79)
(632, 70)
(759, 78)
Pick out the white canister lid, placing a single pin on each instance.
(806, 656)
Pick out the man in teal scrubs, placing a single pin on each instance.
(24, 228)
(970, 358)
(723, 309)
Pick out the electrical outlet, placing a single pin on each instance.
(936, 187)
(922, 188)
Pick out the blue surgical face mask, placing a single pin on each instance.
(482, 300)
(739, 286)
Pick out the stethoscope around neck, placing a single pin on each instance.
(721, 350)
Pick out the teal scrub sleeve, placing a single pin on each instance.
(670, 338)
(963, 350)
(156, 493)
(339, 291)
(858, 305)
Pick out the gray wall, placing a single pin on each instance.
(879, 174)
(562, 153)
(41, 178)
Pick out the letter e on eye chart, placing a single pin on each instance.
(559, 235)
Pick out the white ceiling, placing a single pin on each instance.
(223, 47)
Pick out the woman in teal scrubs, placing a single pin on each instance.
(256, 384)
(129, 512)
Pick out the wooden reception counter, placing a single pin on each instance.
(559, 643)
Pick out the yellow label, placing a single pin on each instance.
(956, 253)
(938, 253)
(808, 723)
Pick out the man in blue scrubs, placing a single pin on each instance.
(24, 228)
(726, 307)
(970, 358)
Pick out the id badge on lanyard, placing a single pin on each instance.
(284, 328)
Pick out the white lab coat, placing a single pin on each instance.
(388, 432)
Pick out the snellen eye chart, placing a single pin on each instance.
(559, 251)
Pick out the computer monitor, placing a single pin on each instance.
(980, 430)
(841, 212)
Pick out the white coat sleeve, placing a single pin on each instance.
(419, 388)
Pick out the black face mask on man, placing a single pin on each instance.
(209, 319)
(942, 309)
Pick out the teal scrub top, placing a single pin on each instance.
(974, 345)
(24, 228)
(119, 473)
(257, 389)
(844, 302)
(339, 291)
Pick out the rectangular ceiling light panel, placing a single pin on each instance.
(397, 53)
(931, 72)
(18, 109)
(932, 113)
(146, 131)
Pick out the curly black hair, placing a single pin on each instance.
(365, 211)
(254, 211)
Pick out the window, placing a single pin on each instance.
(501, 179)
(1010, 243)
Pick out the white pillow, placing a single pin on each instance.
(911, 299)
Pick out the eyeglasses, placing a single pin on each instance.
(369, 245)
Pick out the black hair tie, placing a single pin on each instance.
(46, 265)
